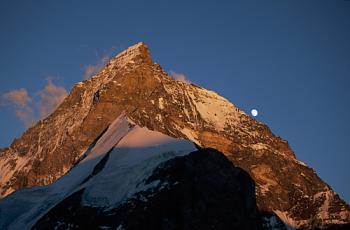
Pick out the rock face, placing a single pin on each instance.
(132, 84)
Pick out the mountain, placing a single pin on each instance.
(127, 182)
(133, 91)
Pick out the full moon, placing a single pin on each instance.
(254, 112)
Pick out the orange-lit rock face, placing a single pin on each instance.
(132, 84)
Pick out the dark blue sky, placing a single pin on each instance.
(290, 59)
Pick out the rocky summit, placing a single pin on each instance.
(82, 141)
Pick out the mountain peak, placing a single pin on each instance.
(138, 53)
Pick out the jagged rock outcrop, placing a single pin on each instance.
(132, 84)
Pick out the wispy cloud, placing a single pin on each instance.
(179, 77)
(91, 70)
(27, 109)
(20, 99)
(50, 97)
(102, 58)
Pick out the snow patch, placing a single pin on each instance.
(259, 146)
(7, 171)
(161, 103)
(263, 188)
(79, 84)
(141, 137)
(290, 223)
(159, 117)
(214, 109)
(301, 163)
(115, 132)
(189, 133)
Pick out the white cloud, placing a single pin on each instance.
(20, 99)
(179, 77)
(27, 110)
(50, 97)
(91, 70)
